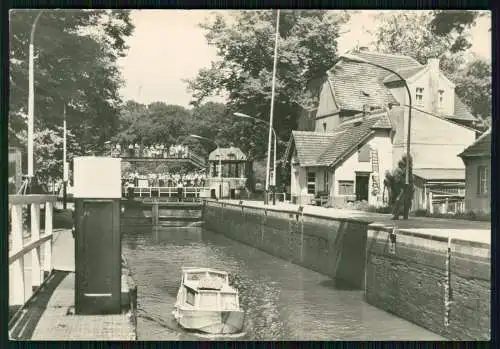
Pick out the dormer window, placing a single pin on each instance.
(419, 95)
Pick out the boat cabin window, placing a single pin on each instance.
(217, 276)
(229, 301)
(208, 300)
(195, 276)
(190, 296)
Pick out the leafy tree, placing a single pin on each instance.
(454, 23)
(473, 85)
(245, 46)
(48, 152)
(75, 65)
(394, 183)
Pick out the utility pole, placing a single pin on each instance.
(65, 163)
(266, 199)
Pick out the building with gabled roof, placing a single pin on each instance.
(353, 87)
(477, 160)
(361, 133)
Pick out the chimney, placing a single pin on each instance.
(433, 64)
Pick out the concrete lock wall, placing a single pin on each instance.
(432, 279)
(331, 246)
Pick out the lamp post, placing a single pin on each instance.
(220, 159)
(65, 164)
(271, 114)
(273, 181)
(31, 97)
(406, 193)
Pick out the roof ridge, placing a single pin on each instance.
(386, 54)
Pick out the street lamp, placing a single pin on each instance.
(220, 159)
(271, 114)
(31, 97)
(406, 193)
(273, 181)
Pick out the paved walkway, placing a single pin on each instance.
(458, 228)
(50, 315)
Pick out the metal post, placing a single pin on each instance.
(31, 98)
(274, 170)
(65, 165)
(406, 202)
(272, 105)
(220, 172)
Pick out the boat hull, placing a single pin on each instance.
(211, 321)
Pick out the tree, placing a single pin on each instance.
(447, 23)
(75, 65)
(307, 49)
(394, 183)
(442, 34)
(473, 85)
(48, 152)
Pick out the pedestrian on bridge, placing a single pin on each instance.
(180, 189)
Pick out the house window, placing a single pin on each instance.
(324, 126)
(419, 96)
(482, 180)
(364, 154)
(440, 97)
(311, 182)
(346, 187)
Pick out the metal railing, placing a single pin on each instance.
(130, 155)
(29, 241)
(169, 192)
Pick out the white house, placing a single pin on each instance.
(361, 132)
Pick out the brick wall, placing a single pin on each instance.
(334, 247)
(440, 284)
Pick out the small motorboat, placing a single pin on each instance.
(207, 303)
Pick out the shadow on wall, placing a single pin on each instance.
(332, 247)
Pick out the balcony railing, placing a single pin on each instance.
(193, 193)
(31, 242)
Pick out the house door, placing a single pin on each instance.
(362, 180)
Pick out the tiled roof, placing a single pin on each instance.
(391, 61)
(481, 147)
(225, 152)
(354, 133)
(328, 148)
(461, 111)
(405, 73)
(310, 144)
(357, 84)
(440, 174)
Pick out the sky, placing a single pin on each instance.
(167, 47)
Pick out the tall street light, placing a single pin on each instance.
(273, 181)
(220, 159)
(272, 104)
(31, 97)
(65, 163)
(406, 193)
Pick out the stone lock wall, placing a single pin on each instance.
(331, 246)
(433, 279)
